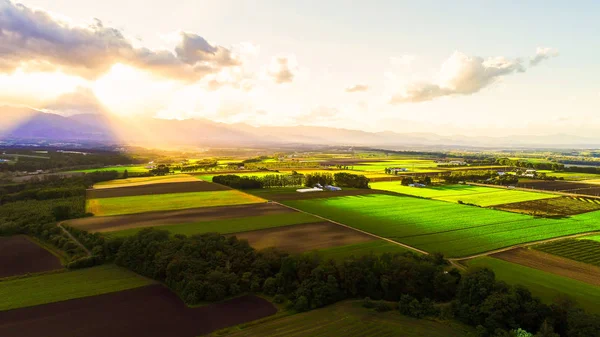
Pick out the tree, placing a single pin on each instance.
(125, 174)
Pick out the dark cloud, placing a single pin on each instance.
(35, 40)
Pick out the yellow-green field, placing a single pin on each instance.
(176, 178)
(165, 202)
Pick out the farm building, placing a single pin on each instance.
(307, 190)
(397, 169)
(331, 188)
(530, 173)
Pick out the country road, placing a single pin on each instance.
(74, 239)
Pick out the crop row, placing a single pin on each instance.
(586, 251)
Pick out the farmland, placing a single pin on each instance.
(304, 237)
(581, 188)
(573, 176)
(561, 206)
(455, 230)
(163, 202)
(592, 237)
(376, 247)
(542, 284)
(350, 319)
(120, 169)
(177, 178)
(153, 189)
(150, 311)
(228, 226)
(42, 289)
(19, 255)
(162, 218)
(476, 195)
(586, 251)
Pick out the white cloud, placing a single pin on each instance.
(542, 54)
(283, 69)
(404, 61)
(461, 74)
(357, 88)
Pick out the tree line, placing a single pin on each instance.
(295, 179)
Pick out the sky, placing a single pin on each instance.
(447, 67)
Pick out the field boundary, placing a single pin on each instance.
(358, 230)
(566, 194)
(87, 251)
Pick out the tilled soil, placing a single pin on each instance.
(304, 237)
(161, 218)
(19, 256)
(157, 188)
(552, 264)
(151, 311)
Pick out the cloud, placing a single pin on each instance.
(283, 69)
(542, 54)
(35, 40)
(357, 88)
(319, 115)
(461, 74)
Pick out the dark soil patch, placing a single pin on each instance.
(553, 206)
(151, 311)
(552, 264)
(158, 188)
(161, 218)
(304, 237)
(19, 256)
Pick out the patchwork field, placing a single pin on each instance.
(151, 311)
(138, 181)
(562, 186)
(228, 226)
(574, 176)
(561, 206)
(376, 247)
(155, 189)
(19, 255)
(544, 285)
(552, 264)
(164, 202)
(42, 289)
(436, 226)
(302, 238)
(476, 195)
(586, 251)
(349, 319)
(163, 218)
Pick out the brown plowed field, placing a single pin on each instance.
(158, 188)
(151, 311)
(160, 218)
(562, 186)
(19, 256)
(304, 237)
(552, 264)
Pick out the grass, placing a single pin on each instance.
(586, 251)
(36, 290)
(349, 319)
(544, 285)
(165, 202)
(476, 195)
(377, 247)
(120, 169)
(229, 225)
(144, 181)
(592, 237)
(436, 226)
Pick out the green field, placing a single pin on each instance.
(136, 181)
(413, 165)
(349, 319)
(120, 169)
(165, 202)
(229, 225)
(436, 226)
(36, 290)
(575, 176)
(544, 285)
(592, 237)
(377, 247)
(476, 195)
(586, 251)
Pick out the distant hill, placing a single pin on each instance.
(24, 123)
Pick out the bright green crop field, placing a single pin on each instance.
(586, 251)
(476, 195)
(376, 247)
(165, 202)
(544, 285)
(349, 319)
(120, 169)
(593, 238)
(36, 290)
(436, 226)
(228, 226)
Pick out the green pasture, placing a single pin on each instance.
(592, 237)
(349, 319)
(476, 195)
(48, 288)
(120, 169)
(136, 181)
(228, 226)
(376, 247)
(546, 286)
(575, 176)
(413, 165)
(436, 226)
(166, 202)
(586, 251)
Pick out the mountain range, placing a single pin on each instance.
(97, 125)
